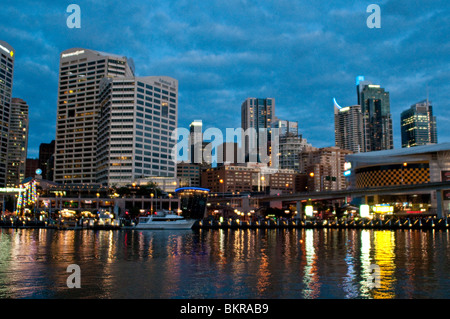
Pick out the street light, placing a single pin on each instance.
(151, 202)
(223, 187)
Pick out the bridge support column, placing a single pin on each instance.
(440, 211)
(299, 210)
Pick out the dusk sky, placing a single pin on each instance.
(302, 53)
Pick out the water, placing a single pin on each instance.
(225, 264)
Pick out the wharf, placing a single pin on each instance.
(419, 223)
(391, 224)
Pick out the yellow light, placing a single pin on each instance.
(311, 174)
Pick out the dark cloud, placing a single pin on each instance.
(300, 53)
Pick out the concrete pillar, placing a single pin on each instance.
(299, 210)
(440, 211)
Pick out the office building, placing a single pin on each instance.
(80, 73)
(195, 151)
(348, 128)
(31, 165)
(257, 119)
(7, 57)
(377, 120)
(46, 152)
(136, 121)
(189, 174)
(324, 168)
(284, 127)
(418, 125)
(17, 142)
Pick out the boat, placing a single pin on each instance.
(164, 219)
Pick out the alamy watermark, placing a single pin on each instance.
(74, 19)
(74, 280)
(374, 20)
(256, 146)
(373, 280)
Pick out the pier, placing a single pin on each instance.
(422, 223)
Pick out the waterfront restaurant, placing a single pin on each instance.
(53, 197)
(402, 167)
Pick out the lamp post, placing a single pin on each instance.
(151, 202)
(223, 188)
(263, 184)
(170, 202)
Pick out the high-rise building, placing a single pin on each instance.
(418, 125)
(258, 115)
(195, 150)
(285, 127)
(136, 121)
(7, 56)
(17, 142)
(80, 73)
(290, 144)
(377, 120)
(46, 152)
(348, 127)
(31, 165)
(324, 168)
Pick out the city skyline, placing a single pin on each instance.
(302, 56)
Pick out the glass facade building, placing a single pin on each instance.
(17, 142)
(377, 119)
(257, 114)
(418, 125)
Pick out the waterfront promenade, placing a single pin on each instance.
(423, 223)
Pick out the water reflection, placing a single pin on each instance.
(261, 263)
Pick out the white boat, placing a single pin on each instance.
(164, 220)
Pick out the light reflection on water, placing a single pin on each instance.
(326, 263)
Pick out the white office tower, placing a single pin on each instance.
(136, 121)
(348, 128)
(81, 71)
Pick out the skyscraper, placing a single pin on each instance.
(258, 115)
(81, 71)
(196, 142)
(17, 142)
(348, 127)
(7, 55)
(377, 120)
(136, 120)
(418, 125)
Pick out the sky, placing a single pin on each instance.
(301, 53)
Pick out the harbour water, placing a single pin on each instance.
(226, 263)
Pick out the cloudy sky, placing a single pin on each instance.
(302, 53)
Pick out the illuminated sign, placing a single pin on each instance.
(65, 55)
(445, 176)
(309, 210)
(5, 49)
(347, 165)
(446, 194)
(364, 211)
(10, 190)
(347, 173)
(383, 209)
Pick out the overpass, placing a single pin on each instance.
(439, 187)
